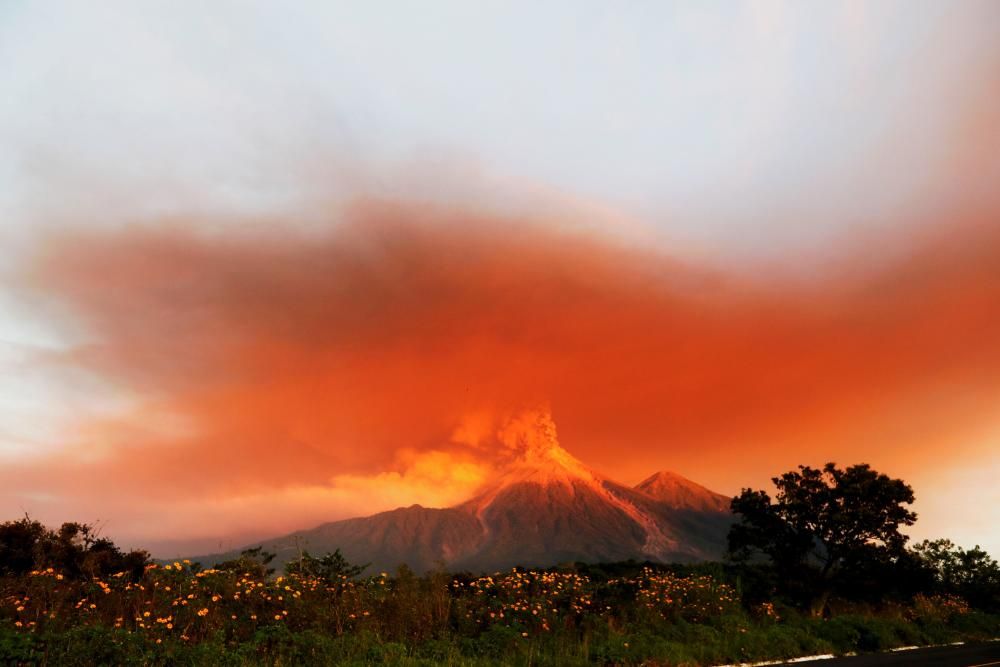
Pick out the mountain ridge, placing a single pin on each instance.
(544, 507)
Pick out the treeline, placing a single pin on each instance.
(833, 535)
(75, 550)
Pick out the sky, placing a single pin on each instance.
(266, 266)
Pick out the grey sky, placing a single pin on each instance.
(711, 120)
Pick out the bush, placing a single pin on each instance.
(179, 614)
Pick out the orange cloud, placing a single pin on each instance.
(262, 364)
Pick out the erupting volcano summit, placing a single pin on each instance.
(544, 507)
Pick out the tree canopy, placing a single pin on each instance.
(822, 524)
(969, 573)
(75, 550)
(332, 567)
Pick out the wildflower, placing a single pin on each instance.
(203, 611)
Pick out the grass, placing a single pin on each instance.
(177, 615)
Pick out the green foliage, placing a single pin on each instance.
(322, 611)
(177, 615)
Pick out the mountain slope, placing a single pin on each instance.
(544, 507)
(421, 537)
(681, 493)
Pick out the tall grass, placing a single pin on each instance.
(178, 615)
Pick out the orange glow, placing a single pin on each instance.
(276, 366)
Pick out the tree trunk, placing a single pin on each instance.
(817, 608)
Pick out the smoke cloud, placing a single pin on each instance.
(280, 379)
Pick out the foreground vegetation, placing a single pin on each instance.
(178, 614)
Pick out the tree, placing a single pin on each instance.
(969, 573)
(75, 550)
(822, 526)
(18, 545)
(332, 568)
(254, 561)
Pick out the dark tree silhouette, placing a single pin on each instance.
(823, 525)
(969, 573)
(255, 561)
(19, 542)
(75, 550)
(332, 568)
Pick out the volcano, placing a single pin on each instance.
(543, 508)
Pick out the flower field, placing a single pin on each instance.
(178, 613)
